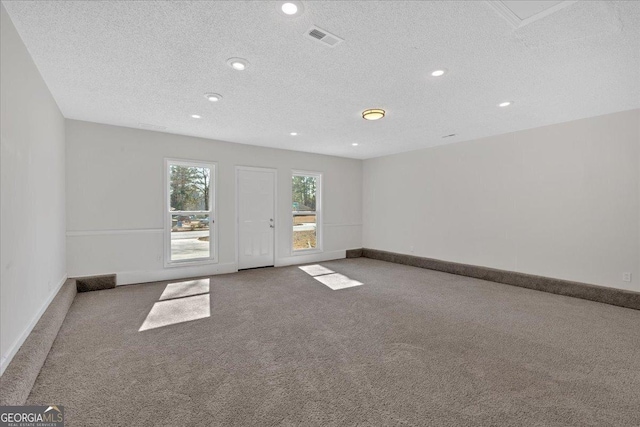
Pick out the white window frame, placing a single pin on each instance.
(213, 219)
(319, 227)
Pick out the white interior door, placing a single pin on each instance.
(256, 217)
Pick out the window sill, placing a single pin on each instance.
(190, 263)
(306, 252)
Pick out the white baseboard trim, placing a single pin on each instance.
(133, 277)
(316, 257)
(6, 358)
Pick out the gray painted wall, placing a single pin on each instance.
(32, 220)
(115, 200)
(560, 201)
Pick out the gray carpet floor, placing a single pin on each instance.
(408, 347)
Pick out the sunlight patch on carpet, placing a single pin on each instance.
(185, 289)
(337, 281)
(315, 270)
(330, 278)
(171, 312)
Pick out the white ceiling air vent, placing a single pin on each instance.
(324, 37)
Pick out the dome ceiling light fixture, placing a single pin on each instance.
(439, 73)
(505, 104)
(213, 97)
(373, 114)
(238, 64)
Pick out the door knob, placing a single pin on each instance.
(272, 226)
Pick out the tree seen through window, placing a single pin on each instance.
(189, 188)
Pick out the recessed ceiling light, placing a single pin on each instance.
(355, 144)
(293, 133)
(373, 114)
(290, 8)
(505, 104)
(195, 116)
(213, 97)
(438, 73)
(238, 64)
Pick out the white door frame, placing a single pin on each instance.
(275, 208)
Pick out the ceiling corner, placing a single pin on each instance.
(506, 10)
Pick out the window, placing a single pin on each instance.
(306, 211)
(190, 214)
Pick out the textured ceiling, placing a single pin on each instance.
(126, 63)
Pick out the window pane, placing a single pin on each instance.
(304, 212)
(190, 236)
(189, 188)
(304, 232)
